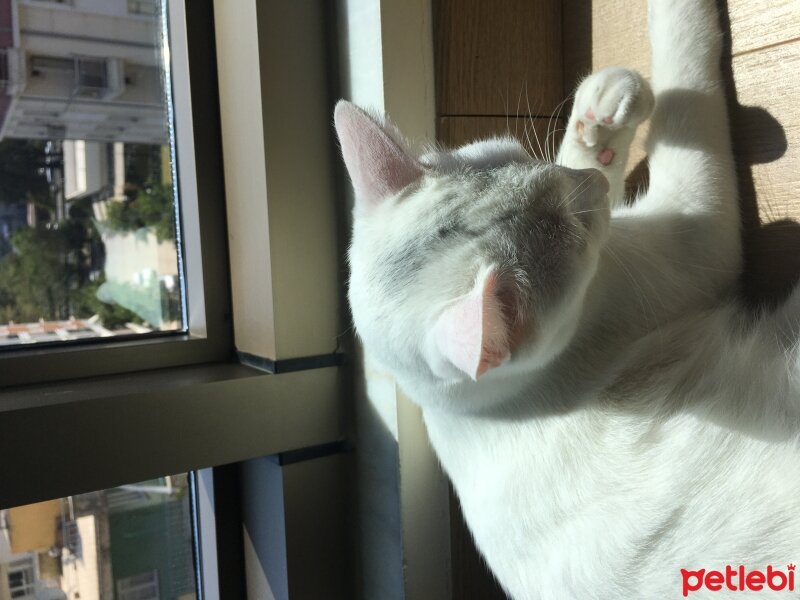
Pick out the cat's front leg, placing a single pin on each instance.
(609, 106)
(692, 169)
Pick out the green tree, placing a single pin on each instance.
(112, 316)
(42, 277)
(153, 207)
(36, 277)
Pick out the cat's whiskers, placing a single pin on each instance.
(588, 210)
(558, 116)
(529, 147)
(504, 99)
(542, 154)
(558, 108)
(519, 103)
(552, 136)
(569, 198)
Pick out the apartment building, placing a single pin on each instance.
(81, 70)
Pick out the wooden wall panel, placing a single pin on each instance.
(758, 24)
(766, 130)
(764, 106)
(576, 48)
(603, 33)
(489, 53)
(540, 136)
(766, 141)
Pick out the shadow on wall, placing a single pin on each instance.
(771, 249)
(771, 243)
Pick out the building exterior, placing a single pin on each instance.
(27, 533)
(129, 543)
(81, 70)
(87, 77)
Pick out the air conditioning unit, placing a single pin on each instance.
(100, 78)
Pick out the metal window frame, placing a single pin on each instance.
(197, 130)
(184, 401)
(26, 564)
(190, 386)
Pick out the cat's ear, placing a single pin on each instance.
(473, 334)
(378, 166)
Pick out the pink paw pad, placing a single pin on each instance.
(590, 114)
(605, 156)
(608, 120)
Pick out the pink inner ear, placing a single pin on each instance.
(378, 166)
(472, 334)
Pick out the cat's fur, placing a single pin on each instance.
(607, 413)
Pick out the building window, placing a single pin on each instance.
(138, 587)
(22, 577)
(91, 77)
(143, 7)
(42, 65)
(134, 542)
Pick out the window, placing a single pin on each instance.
(42, 64)
(105, 235)
(22, 577)
(90, 412)
(91, 247)
(91, 545)
(138, 587)
(91, 77)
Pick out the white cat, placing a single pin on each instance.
(614, 424)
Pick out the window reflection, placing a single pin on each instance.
(87, 210)
(132, 542)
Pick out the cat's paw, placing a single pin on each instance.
(606, 102)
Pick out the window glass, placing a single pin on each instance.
(88, 230)
(133, 542)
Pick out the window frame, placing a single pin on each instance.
(27, 564)
(202, 202)
(142, 391)
(188, 402)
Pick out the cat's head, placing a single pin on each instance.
(466, 262)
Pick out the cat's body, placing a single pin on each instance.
(607, 413)
(687, 461)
